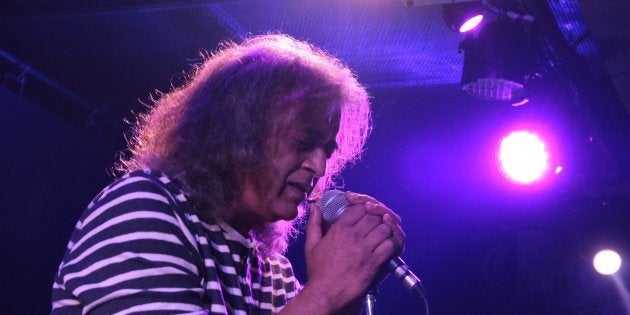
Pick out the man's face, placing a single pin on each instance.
(297, 152)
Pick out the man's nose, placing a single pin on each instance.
(316, 162)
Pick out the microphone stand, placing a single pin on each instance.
(369, 302)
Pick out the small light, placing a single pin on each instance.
(607, 262)
(520, 103)
(558, 169)
(471, 23)
(462, 17)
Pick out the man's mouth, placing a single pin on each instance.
(301, 187)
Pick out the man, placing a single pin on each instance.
(220, 169)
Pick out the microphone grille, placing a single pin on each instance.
(333, 203)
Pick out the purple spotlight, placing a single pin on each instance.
(523, 157)
(471, 23)
(463, 16)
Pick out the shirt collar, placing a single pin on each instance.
(232, 234)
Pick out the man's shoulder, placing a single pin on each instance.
(144, 180)
(145, 190)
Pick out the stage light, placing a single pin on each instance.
(523, 157)
(464, 16)
(471, 23)
(607, 262)
(497, 62)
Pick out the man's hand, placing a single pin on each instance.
(345, 261)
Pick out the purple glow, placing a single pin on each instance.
(523, 157)
(471, 23)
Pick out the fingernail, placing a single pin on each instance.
(370, 205)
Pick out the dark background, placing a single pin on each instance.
(73, 71)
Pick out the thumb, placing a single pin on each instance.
(313, 228)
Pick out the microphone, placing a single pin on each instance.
(333, 204)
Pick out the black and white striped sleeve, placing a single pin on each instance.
(131, 252)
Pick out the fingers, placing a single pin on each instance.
(365, 225)
(352, 215)
(382, 244)
(379, 209)
(354, 198)
(385, 250)
(397, 232)
(372, 207)
(363, 220)
(372, 230)
(313, 228)
(378, 235)
(357, 210)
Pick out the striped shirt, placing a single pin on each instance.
(140, 248)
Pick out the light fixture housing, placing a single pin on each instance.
(497, 61)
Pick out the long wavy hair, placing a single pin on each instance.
(212, 131)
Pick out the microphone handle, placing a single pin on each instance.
(369, 302)
(400, 270)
